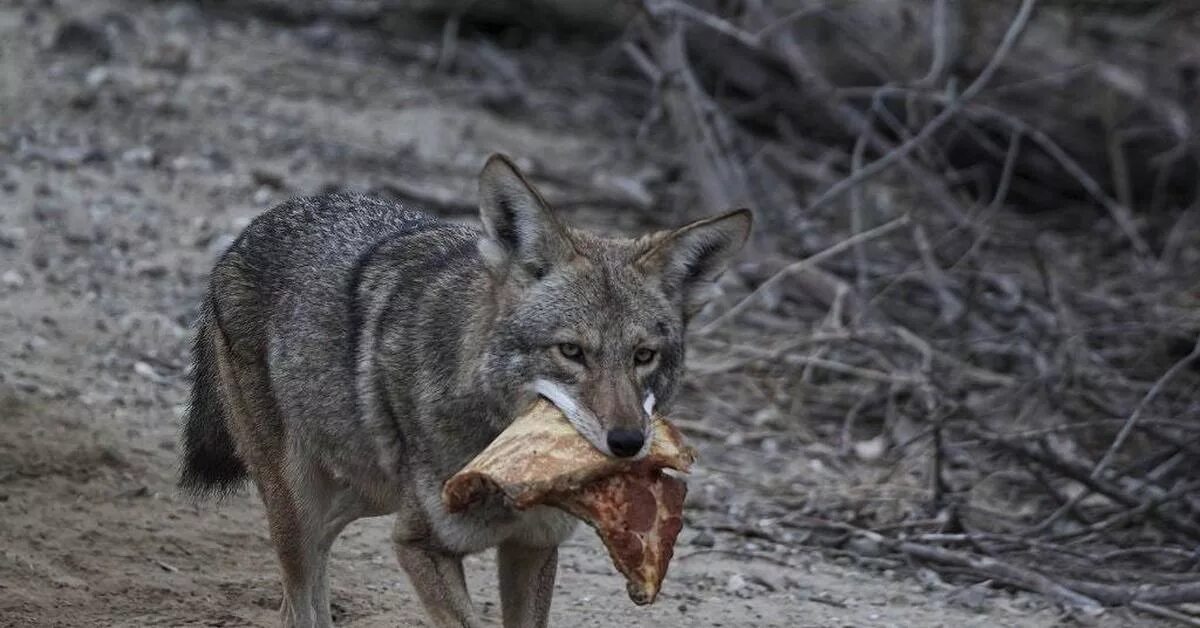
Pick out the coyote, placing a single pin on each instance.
(352, 354)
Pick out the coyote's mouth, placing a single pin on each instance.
(584, 421)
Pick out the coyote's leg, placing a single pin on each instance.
(296, 559)
(305, 520)
(344, 508)
(305, 508)
(440, 583)
(526, 584)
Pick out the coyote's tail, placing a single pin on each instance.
(210, 462)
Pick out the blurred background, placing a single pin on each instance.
(952, 380)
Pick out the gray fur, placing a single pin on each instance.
(352, 354)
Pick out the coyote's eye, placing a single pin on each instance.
(643, 356)
(570, 351)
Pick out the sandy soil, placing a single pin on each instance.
(137, 138)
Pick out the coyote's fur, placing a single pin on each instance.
(352, 354)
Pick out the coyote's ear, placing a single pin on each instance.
(521, 233)
(689, 260)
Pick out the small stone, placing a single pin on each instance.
(769, 583)
(172, 54)
(704, 539)
(150, 268)
(827, 598)
(78, 228)
(262, 196)
(11, 236)
(871, 449)
(736, 584)
(71, 156)
(147, 371)
(267, 178)
(975, 598)
(97, 76)
(184, 163)
(218, 245)
(767, 417)
(219, 160)
(184, 14)
(319, 36)
(865, 546)
(12, 279)
(165, 104)
(83, 99)
(48, 212)
(81, 38)
(139, 491)
(139, 156)
(65, 581)
(929, 579)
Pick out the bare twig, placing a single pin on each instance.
(1167, 613)
(1129, 426)
(1122, 215)
(856, 203)
(943, 37)
(1002, 572)
(1132, 514)
(702, 17)
(449, 42)
(946, 115)
(951, 307)
(1182, 593)
(796, 267)
(1006, 175)
(1075, 471)
(642, 61)
(1077, 593)
(787, 20)
(719, 171)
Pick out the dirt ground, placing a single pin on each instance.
(136, 139)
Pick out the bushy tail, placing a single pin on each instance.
(210, 462)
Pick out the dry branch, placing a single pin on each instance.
(944, 117)
(799, 266)
(1132, 423)
(1001, 571)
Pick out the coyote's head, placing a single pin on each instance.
(593, 324)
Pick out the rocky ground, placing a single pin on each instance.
(136, 140)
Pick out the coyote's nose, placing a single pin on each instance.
(625, 443)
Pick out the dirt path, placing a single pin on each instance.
(134, 146)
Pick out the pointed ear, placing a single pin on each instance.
(689, 260)
(521, 233)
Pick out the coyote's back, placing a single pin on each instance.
(287, 281)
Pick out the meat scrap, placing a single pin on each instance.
(635, 508)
